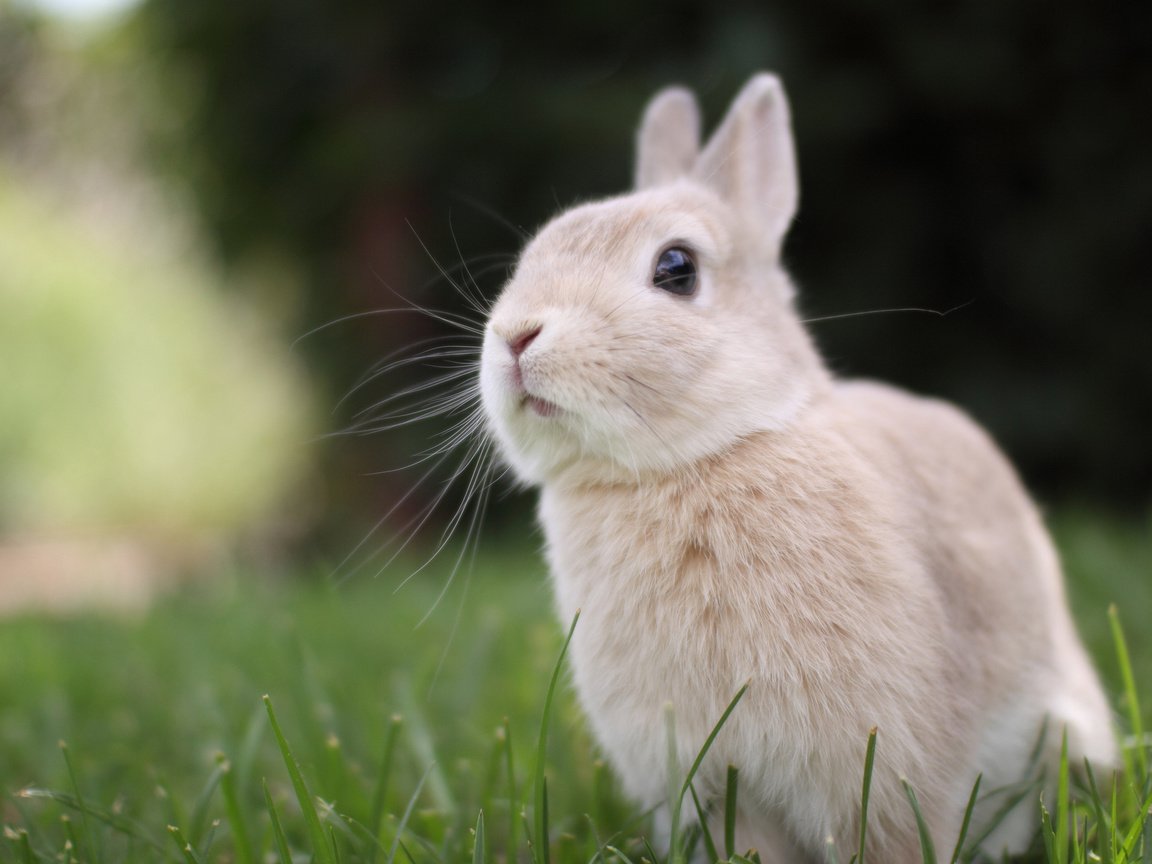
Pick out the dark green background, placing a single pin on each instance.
(993, 156)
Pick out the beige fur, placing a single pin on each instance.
(722, 510)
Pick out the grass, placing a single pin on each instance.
(287, 720)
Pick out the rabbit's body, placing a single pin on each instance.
(786, 562)
(721, 510)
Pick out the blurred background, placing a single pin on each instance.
(205, 208)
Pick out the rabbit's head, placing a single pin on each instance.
(644, 332)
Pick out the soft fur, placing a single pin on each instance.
(722, 510)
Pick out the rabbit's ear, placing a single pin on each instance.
(751, 163)
(669, 138)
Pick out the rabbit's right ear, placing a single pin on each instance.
(751, 163)
(669, 138)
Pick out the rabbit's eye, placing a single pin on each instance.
(675, 272)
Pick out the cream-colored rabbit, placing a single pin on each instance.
(723, 510)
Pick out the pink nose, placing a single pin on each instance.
(520, 343)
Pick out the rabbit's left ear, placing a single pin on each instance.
(669, 138)
(751, 163)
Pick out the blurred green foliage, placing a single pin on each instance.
(120, 404)
(993, 154)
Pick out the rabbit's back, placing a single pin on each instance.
(988, 553)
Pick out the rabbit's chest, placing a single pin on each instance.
(682, 602)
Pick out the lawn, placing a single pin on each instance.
(148, 739)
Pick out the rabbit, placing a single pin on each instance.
(722, 509)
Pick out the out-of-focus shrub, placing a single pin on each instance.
(135, 397)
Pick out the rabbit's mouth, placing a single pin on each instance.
(540, 407)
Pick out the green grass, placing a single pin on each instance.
(383, 742)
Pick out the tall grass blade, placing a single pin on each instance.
(540, 849)
(696, 763)
(619, 854)
(421, 738)
(383, 776)
(730, 811)
(967, 821)
(672, 776)
(85, 824)
(711, 738)
(396, 844)
(282, 849)
(1135, 717)
(183, 845)
(479, 852)
(25, 846)
(927, 849)
(1047, 833)
(321, 847)
(1105, 831)
(514, 803)
(545, 844)
(198, 821)
(866, 791)
(1143, 824)
(705, 833)
(242, 846)
(1063, 804)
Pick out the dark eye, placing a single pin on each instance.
(675, 272)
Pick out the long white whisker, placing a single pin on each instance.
(937, 312)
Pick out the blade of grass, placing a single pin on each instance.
(542, 821)
(514, 802)
(1063, 812)
(672, 774)
(927, 849)
(242, 847)
(706, 835)
(678, 802)
(198, 821)
(619, 854)
(967, 821)
(422, 741)
(1135, 718)
(1141, 824)
(24, 844)
(1104, 829)
(601, 794)
(183, 845)
(866, 791)
(85, 825)
(380, 792)
(730, 811)
(1023, 792)
(540, 847)
(321, 847)
(70, 844)
(282, 849)
(396, 844)
(479, 852)
(120, 824)
(1047, 832)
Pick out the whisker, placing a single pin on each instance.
(476, 301)
(522, 233)
(937, 312)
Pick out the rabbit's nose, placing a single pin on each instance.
(519, 343)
